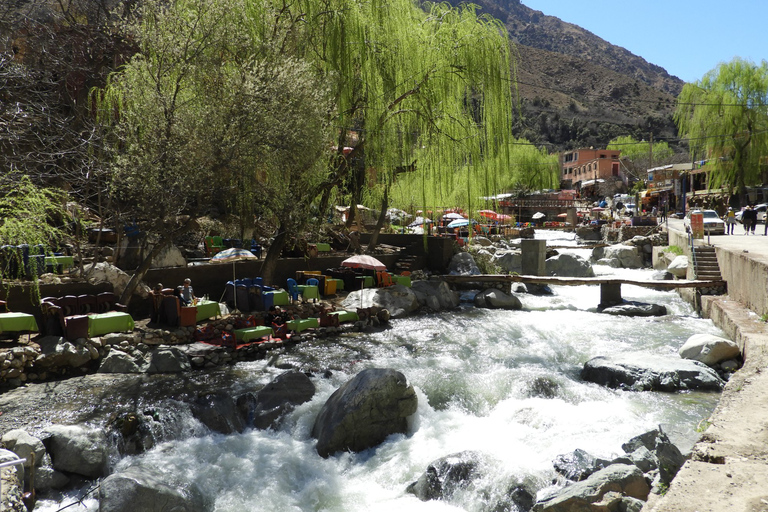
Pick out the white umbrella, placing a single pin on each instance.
(538, 216)
(233, 254)
(453, 215)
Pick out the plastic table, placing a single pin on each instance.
(207, 309)
(323, 247)
(309, 291)
(279, 297)
(17, 322)
(368, 281)
(339, 282)
(302, 324)
(346, 316)
(104, 323)
(252, 333)
(403, 280)
(64, 262)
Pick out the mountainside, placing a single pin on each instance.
(576, 89)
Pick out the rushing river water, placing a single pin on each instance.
(477, 374)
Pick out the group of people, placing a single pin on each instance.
(277, 319)
(185, 293)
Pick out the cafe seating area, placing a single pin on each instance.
(29, 261)
(84, 316)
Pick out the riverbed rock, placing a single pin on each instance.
(709, 349)
(463, 264)
(606, 486)
(569, 265)
(633, 308)
(656, 447)
(218, 412)
(364, 411)
(20, 442)
(264, 409)
(446, 475)
(168, 360)
(435, 292)
(148, 490)
(578, 465)
(77, 449)
(679, 267)
(497, 299)
(643, 372)
(104, 272)
(399, 300)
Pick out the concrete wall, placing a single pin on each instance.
(747, 279)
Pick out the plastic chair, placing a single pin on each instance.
(384, 279)
(256, 248)
(313, 282)
(293, 289)
(87, 304)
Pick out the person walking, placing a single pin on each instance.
(746, 219)
(730, 221)
(753, 218)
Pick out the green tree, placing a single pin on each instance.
(725, 117)
(639, 156)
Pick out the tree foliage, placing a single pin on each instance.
(31, 215)
(725, 116)
(639, 156)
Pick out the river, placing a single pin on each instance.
(479, 376)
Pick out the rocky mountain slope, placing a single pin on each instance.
(576, 89)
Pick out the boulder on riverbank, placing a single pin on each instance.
(364, 411)
(643, 372)
(435, 295)
(463, 264)
(399, 300)
(618, 256)
(709, 349)
(146, 489)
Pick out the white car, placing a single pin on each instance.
(713, 224)
(761, 208)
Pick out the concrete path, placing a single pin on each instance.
(728, 469)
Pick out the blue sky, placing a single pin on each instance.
(685, 37)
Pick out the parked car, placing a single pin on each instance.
(761, 209)
(713, 224)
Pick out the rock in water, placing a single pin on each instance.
(445, 475)
(265, 408)
(643, 372)
(709, 349)
(496, 299)
(364, 411)
(77, 449)
(147, 490)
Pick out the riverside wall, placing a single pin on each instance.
(728, 467)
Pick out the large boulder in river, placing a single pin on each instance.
(497, 299)
(709, 349)
(463, 264)
(435, 294)
(633, 308)
(446, 475)
(609, 485)
(655, 446)
(218, 412)
(168, 360)
(364, 411)
(20, 442)
(643, 372)
(146, 489)
(264, 409)
(569, 265)
(578, 465)
(624, 256)
(399, 300)
(77, 449)
(679, 267)
(509, 261)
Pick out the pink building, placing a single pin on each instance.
(585, 167)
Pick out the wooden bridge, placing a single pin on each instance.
(610, 288)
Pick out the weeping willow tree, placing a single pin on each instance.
(725, 117)
(422, 93)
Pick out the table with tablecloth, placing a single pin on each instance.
(302, 324)
(105, 323)
(323, 247)
(339, 283)
(207, 309)
(279, 297)
(17, 322)
(253, 333)
(346, 316)
(309, 291)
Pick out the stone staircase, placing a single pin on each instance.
(705, 263)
